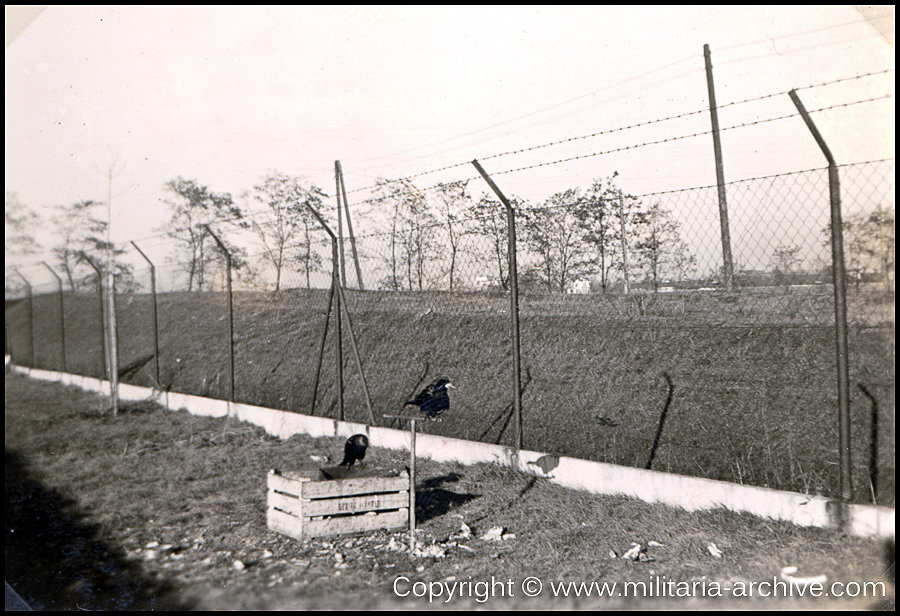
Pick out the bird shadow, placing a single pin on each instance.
(433, 501)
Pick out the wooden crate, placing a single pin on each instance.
(304, 504)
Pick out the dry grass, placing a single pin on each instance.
(153, 509)
(754, 397)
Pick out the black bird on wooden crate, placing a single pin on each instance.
(434, 399)
(354, 449)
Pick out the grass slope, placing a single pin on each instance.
(753, 395)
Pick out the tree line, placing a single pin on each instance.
(434, 238)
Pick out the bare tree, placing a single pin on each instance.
(785, 260)
(287, 221)
(193, 207)
(604, 213)
(412, 243)
(417, 235)
(555, 232)
(82, 232)
(21, 225)
(659, 245)
(869, 244)
(488, 219)
(453, 201)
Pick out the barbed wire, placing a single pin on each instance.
(670, 139)
(620, 129)
(331, 209)
(168, 233)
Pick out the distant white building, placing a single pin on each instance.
(484, 282)
(579, 287)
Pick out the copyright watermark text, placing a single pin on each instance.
(657, 586)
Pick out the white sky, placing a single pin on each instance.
(225, 94)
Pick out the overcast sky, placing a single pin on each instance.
(225, 94)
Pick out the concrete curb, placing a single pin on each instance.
(689, 493)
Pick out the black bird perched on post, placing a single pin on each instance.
(434, 399)
(354, 449)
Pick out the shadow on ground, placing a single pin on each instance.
(56, 561)
(432, 500)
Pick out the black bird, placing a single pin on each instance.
(434, 399)
(354, 449)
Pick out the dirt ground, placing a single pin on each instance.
(164, 510)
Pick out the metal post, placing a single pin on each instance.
(412, 478)
(6, 341)
(359, 278)
(338, 339)
(104, 370)
(340, 233)
(155, 314)
(839, 279)
(339, 302)
(727, 260)
(230, 309)
(359, 364)
(514, 301)
(312, 407)
(62, 316)
(336, 282)
(30, 314)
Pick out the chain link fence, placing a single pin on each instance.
(632, 350)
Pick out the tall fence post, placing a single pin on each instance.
(230, 311)
(155, 314)
(340, 234)
(339, 346)
(337, 292)
(30, 314)
(839, 279)
(514, 301)
(105, 368)
(359, 278)
(727, 260)
(62, 317)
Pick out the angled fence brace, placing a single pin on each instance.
(30, 314)
(62, 317)
(155, 314)
(839, 279)
(338, 300)
(514, 301)
(312, 406)
(103, 333)
(230, 310)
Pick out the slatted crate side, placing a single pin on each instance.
(284, 510)
(355, 523)
(283, 483)
(355, 504)
(284, 523)
(302, 507)
(355, 487)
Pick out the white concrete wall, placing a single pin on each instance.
(690, 493)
